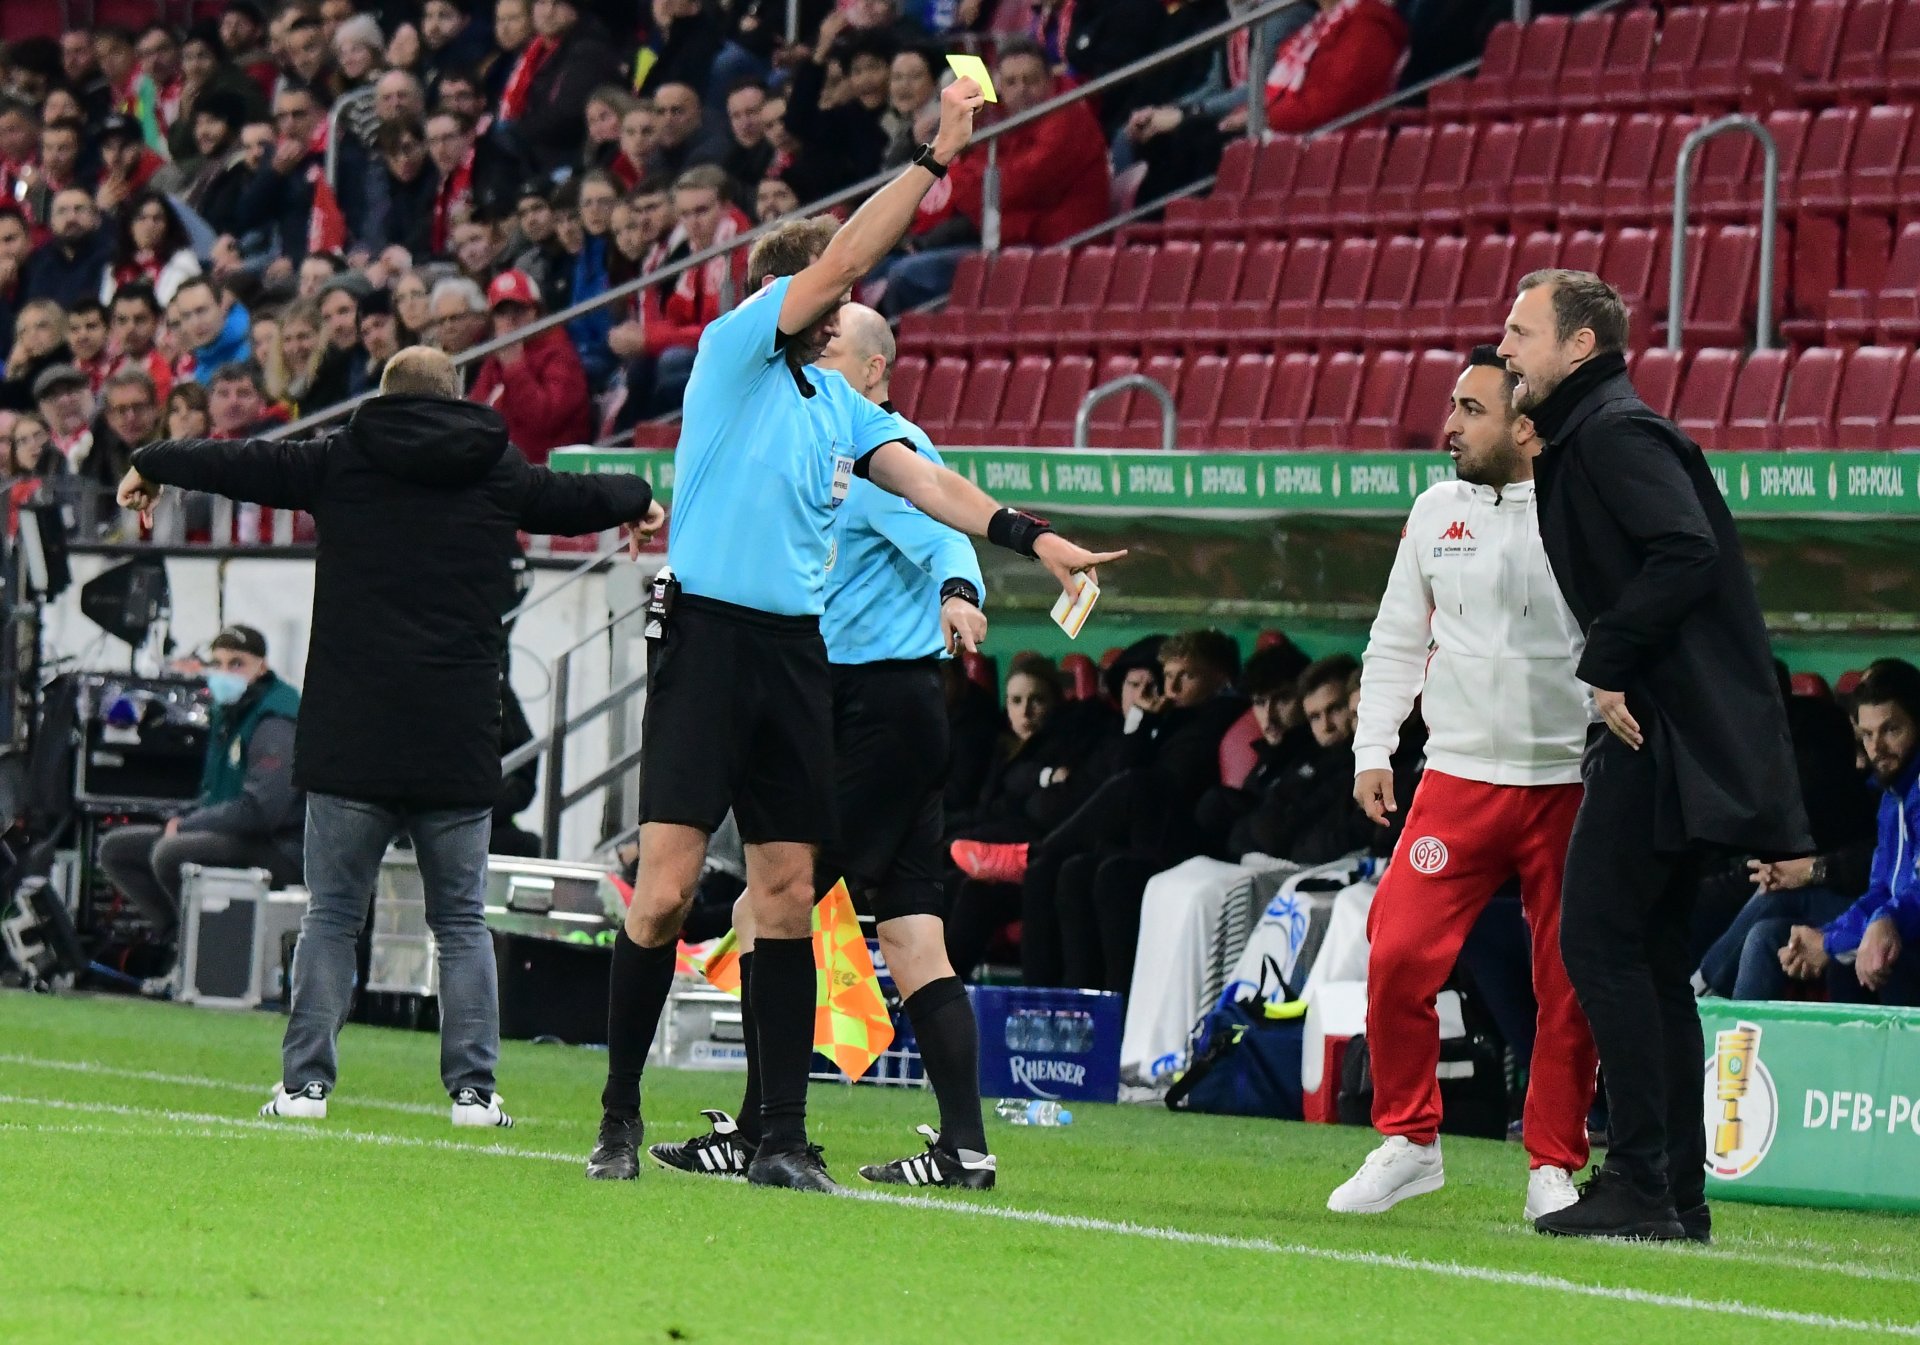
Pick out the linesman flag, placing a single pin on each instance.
(851, 1026)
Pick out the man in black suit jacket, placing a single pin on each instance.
(1693, 756)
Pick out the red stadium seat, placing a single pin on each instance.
(1606, 158)
(1817, 29)
(1656, 377)
(1903, 52)
(1550, 152)
(1629, 267)
(980, 671)
(1718, 78)
(1288, 397)
(1297, 300)
(1543, 48)
(1243, 399)
(1306, 204)
(1383, 399)
(1822, 181)
(1429, 393)
(1391, 290)
(1706, 392)
(1581, 250)
(1444, 183)
(1725, 301)
(1670, 72)
(1359, 176)
(1487, 89)
(1336, 395)
(1848, 682)
(1766, 59)
(1869, 390)
(1070, 381)
(1860, 65)
(979, 410)
(1396, 200)
(1237, 757)
(1495, 161)
(1338, 315)
(1429, 315)
(1082, 678)
(909, 372)
(1812, 685)
(1026, 391)
(1813, 388)
(1109, 418)
(939, 403)
(1202, 385)
(1484, 300)
(1251, 305)
(1751, 420)
(1160, 303)
(1853, 314)
(1903, 425)
(1588, 41)
(1726, 184)
(1622, 81)
(1088, 279)
(1142, 428)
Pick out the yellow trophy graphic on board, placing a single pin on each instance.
(1742, 1109)
(1733, 1052)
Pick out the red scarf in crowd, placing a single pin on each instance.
(144, 268)
(1290, 62)
(455, 192)
(624, 171)
(513, 98)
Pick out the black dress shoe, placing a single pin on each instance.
(1696, 1221)
(796, 1169)
(616, 1155)
(1612, 1206)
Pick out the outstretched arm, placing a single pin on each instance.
(283, 474)
(950, 498)
(572, 503)
(879, 224)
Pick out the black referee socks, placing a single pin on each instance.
(749, 1118)
(783, 993)
(637, 991)
(949, 1038)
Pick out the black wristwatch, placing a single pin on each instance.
(924, 157)
(962, 589)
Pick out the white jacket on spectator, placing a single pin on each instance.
(1474, 626)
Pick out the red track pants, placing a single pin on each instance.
(1462, 841)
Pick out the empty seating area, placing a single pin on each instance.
(1361, 258)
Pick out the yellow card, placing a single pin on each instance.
(975, 69)
(1070, 613)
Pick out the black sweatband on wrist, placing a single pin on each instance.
(1017, 531)
(962, 589)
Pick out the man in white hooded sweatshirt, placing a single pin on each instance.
(1473, 626)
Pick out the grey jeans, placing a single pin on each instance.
(346, 839)
(144, 863)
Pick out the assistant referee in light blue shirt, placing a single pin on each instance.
(903, 592)
(740, 703)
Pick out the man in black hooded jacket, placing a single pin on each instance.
(1693, 756)
(416, 503)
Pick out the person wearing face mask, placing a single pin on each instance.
(249, 813)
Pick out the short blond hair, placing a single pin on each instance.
(420, 371)
(789, 249)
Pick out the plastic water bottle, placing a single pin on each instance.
(1022, 1111)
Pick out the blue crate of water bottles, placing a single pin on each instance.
(1049, 1044)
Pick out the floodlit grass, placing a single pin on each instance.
(146, 1202)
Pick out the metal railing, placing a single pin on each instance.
(1186, 47)
(1769, 208)
(1153, 387)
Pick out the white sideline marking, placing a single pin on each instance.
(223, 1127)
(1752, 1251)
(295, 1128)
(225, 1085)
(1388, 1261)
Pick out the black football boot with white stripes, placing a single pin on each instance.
(721, 1152)
(938, 1166)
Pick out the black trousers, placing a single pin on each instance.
(1097, 901)
(1625, 911)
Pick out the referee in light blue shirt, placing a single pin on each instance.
(740, 706)
(903, 591)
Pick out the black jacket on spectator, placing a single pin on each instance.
(839, 145)
(1275, 764)
(1108, 34)
(407, 216)
(1014, 803)
(554, 122)
(16, 389)
(416, 503)
(283, 203)
(687, 53)
(216, 192)
(1644, 549)
(973, 726)
(52, 272)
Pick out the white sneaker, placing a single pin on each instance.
(1398, 1170)
(1549, 1190)
(309, 1104)
(469, 1110)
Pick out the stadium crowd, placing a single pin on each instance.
(227, 226)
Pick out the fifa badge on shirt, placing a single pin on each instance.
(842, 479)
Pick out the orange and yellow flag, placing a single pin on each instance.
(851, 1026)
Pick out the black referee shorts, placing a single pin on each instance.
(739, 715)
(890, 747)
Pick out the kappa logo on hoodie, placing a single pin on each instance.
(1460, 536)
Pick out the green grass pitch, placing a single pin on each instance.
(145, 1201)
